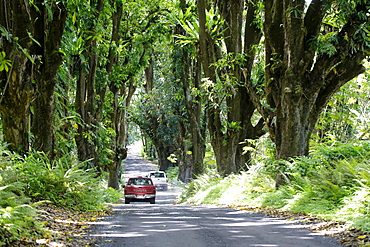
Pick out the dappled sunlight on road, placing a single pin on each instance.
(168, 224)
(207, 225)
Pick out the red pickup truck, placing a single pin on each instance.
(140, 189)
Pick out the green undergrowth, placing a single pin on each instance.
(27, 182)
(333, 183)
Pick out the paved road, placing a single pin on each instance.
(165, 224)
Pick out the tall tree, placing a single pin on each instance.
(158, 121)
(227, 135)
(49, 20)
(85, 66)
(192, 125)
(31, 34)
(241, 47)
(311, 51)
(122, 95)
(16, 82)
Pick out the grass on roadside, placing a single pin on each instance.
(334, 184)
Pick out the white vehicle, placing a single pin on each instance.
(159, 178)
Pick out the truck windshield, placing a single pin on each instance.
(140, 181)
(157, 175)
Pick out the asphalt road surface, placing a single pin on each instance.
(166, 224)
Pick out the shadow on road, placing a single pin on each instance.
(167, 224)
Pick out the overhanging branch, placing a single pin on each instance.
(266, 113)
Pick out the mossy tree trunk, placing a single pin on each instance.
(301, 77)
(192, 126)
(48, 33)
(226, 135)
(16, 82)
(86, 66)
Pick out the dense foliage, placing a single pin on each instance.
(333, 184)
(31, 181)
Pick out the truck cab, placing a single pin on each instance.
(140, 189)
(159, 178)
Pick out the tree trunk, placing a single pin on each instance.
(113, 176)
(49, 36)
(85, 139)
(15, 129)
(226, 144)
(184, 157)
(191, 156)
(85, 95)
(225, 156)
(300, 80)
(118, 118)
(164, 151)
(15, 103)
(225, 164)
(194, 110)
(16, 83)
(185, 168)
(245, 111)
(120, 126)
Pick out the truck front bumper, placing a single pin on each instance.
(147, 196)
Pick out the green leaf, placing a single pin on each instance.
(26, 53)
